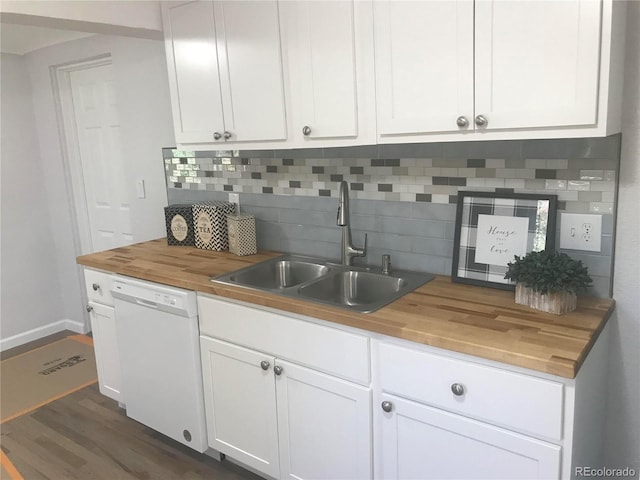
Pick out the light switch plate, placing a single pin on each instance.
(580, 231)
(140, 189)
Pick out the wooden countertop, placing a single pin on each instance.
(479, 321)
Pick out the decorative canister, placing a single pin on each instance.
(210, 224)
(179, 221)
(242, 234)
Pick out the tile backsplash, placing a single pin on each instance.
(404, 196)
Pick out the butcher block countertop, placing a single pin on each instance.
(479, 321)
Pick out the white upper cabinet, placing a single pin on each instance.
(225, 72)
(261, 74)
(537, 63)
(424, 65)
(329, 56)
(497, 69)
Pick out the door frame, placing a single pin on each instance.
(71, 163)
(69, 143)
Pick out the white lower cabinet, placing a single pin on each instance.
(105, 345)
(419, 441)
(240, 404)
(103, 328)
(438, 417)
(323, 425)
(292, 398)
(273, 414)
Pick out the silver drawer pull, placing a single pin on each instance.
(387, 406)
(264, 364)
(457, 389)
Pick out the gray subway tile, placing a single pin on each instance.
(311, 232)
(265, 214)
(432, 246)
(362, 151)
(600, 288)
(419, 262)
(599, 265)
(497, 149)
(365, 223)
(599, 147)
(405, 226)
(433, 211)
(299, 153)
(306, 217)
(382, 208)
(390, 241)
(412, 150)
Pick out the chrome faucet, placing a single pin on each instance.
(348, 250)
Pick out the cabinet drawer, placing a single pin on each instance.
(528, 404)
(340, 353)
(98, 285)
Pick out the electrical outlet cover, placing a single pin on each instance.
(580, 231)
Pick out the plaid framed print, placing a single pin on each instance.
(492, 228)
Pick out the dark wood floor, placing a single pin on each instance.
(87, 436)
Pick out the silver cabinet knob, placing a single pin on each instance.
(462, 121)
(217, 135)
(387, 406)
(227, 135)
(481, 121)
(306, 130)
(95, 287)
(264, 364)
(457, 389)
(277, 370)
(89, 308)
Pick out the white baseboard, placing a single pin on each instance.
(40, 332)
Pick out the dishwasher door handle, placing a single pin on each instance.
(146, 303)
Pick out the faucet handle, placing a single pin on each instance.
(362, 252)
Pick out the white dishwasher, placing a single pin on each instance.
(158, 342)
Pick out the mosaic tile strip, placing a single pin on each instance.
(433, 180)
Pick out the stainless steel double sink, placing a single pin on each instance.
(360, 289)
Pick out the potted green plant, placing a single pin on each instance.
(548, 280)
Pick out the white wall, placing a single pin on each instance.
(30, 293)
(623, 410)
(143, 96)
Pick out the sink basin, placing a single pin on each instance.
(355, 288)
(279, 273)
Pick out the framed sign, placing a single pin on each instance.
(492, 228)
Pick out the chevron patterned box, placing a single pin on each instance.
(179, 221)
(242, 234)
(210, 224)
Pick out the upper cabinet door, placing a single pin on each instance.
(225, 72)
(424, 66)
(250, 60)
(537, 63)
(192, 61)
(329, 49)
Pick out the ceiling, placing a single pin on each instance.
(21, 39)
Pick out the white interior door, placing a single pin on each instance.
(100, 158)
